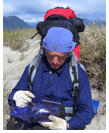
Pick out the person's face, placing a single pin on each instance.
(56, 59)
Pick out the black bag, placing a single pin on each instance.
(15, 123)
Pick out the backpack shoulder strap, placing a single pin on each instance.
(33, 67)
(73, 71)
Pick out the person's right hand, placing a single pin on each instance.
(22, 98)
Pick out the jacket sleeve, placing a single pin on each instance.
(84, 107)
(21, 85)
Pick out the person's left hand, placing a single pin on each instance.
(55, 124)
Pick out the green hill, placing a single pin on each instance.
(13, 23)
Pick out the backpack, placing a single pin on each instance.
(64, 17)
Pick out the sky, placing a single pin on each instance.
(34, 10)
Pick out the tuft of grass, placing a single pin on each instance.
(22, 56)
(15, 38)
(9, 59)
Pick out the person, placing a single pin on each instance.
(52, 79)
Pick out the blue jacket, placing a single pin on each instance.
(49, 82)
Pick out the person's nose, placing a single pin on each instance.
(55, 60)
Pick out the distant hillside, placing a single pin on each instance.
(33, 24)
(95, 22)
(13, 22)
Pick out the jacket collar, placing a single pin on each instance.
(47, 68)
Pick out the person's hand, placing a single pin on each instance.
(22, 98)
(55, 124)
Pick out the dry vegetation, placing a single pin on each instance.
(15, 39)
(93, 55)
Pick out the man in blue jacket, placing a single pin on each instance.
(53, 79)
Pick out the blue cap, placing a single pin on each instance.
(59, 39)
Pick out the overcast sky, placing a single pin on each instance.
(34, 10)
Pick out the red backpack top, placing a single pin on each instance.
(68, 13)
